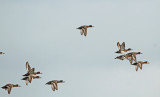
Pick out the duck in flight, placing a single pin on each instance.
(121, 48)
(139, 64)
(30, 71)
(83, 29)
(54, 84)
(28, 79)
(9, 87)
(30, 74)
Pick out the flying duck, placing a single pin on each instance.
(122, 48)
(54, 84)
(30, 71)
(139, 64)
(83, 29)
(28, 79)
(9, 87)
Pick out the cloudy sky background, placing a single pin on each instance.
(44, 33)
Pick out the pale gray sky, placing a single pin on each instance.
(44, 33)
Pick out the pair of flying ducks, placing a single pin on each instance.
(129, 56)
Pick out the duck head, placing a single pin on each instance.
(139, 53)
(90, 26)
(129, 49)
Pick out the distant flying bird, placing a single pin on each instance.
(139, 64)
(30, 74)
(28, 79)
(122, 48)
(83, 29)
(9, 87)
(2, 53)
(30, 71)
(54, 84)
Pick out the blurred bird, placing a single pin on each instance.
(54, 83)
(9, 87)
(122, 48)
(83, 29)
(139, 64)
(28, 79)
(30, 71)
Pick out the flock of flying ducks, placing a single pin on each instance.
(129, 56)
(31, 74)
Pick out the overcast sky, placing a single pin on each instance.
(43, 32)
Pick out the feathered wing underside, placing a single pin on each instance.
(9, 90)
(118, 45)
(130, 60)
(136, 67)
(28, 67)
(30, 79)
(140, 65)
(123, 46)
(85, 31)
(56, 86)
(27, 82)
(134, 58)
(53, 87)
(82, 31)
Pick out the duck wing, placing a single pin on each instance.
(130, 60)
(30, 79)
(27, 66)
(85, 31)
(53, 87)
(134, 58)
(136, 68)
(9, 90)
(118, 45)
(140, 65)
(122, 47)
(82, 31)
(27, 82)
(56, 86)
